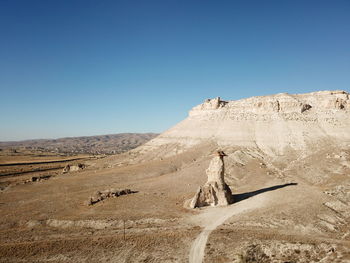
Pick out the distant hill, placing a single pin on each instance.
(100, 144)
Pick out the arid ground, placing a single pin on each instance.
(290, 206)
(286, 211)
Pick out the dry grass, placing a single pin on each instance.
(165, 244)
(167, 232)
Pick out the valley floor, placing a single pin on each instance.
(288, 209)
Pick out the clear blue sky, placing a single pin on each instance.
(73, 68)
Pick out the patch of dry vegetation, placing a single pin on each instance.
(155, 246)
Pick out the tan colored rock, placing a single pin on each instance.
(212, 104)
(73, 168)
(215, 192)
(275, 123)
(102, 195)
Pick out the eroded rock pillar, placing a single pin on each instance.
(215, 192)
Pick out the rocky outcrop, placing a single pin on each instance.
(73, 168)
(322, 101)
(102, 195)
(274, 123)
(215, 192)
(211, 104)
(305, 107)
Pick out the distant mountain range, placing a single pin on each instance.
(100, 144)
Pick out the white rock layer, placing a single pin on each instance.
(215, 192)
(272, 123)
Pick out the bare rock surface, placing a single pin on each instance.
(102, 195)
(272, 123)
(73, 168)
(215, 192)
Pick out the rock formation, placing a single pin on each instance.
(274, 123)
(102, 195)
(215, 192)
(73, 168)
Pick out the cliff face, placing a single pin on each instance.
(284, 103)
(272, 123)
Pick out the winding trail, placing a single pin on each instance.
(212, 217)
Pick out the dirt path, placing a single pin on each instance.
(212, 217)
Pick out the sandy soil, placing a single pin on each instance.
(293, 208)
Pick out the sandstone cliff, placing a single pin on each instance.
(271, 123)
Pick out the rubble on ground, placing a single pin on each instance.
(102, 195)
(73, 168)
